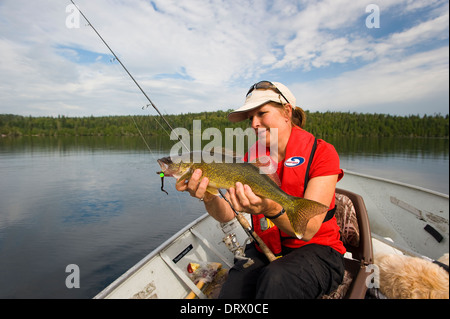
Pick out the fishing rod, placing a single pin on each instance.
(241, 219)
(128, 72)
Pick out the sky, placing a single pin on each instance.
(376, 56)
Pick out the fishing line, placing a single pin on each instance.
(242, 220)
(116, 58)
(123, 66)
(140, 88)
(164, 129)
(142, 136)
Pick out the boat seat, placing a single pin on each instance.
(352, 218)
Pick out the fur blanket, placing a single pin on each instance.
(403, 277)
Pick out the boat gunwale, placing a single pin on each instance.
(419, 188)
(125, 276)
(130, 272)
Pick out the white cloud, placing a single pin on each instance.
(406, 84)
(194, 55)
(423, 34)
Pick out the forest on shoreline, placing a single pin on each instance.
(321, 124)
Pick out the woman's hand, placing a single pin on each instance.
(215, 206)
(196, 186)
(243, 199)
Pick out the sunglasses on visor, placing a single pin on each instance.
(266, 85)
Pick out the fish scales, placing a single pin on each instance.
(225, 175)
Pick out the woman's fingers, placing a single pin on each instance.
(241, 196)
(181, 185)
(196, 185)
(252, 197)
(231, 195)
(243, 199)
(194, 181)
(201, 188)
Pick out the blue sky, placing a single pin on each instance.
(198, 55)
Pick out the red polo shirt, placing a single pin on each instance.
(325, 162)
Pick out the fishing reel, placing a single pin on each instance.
(232, 243)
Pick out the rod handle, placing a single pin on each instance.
(266, 250)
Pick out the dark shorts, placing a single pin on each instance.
(303, 273)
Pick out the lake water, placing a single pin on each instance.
(97, 203)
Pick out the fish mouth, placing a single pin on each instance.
(162, 163)
(166, 165)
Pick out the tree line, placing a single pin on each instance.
(321, 124)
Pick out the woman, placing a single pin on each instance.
(307, 167)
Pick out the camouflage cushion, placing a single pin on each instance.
(349, 229)
(347, 221)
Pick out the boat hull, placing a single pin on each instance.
(392, 220)
(162, 273)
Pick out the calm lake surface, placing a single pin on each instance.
(97, 203)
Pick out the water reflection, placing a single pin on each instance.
(96, 202)
(344, 145)
(417, 161)
(391, 146)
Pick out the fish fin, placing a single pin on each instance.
(186, 175)
(268, 167)
(262, 161)
(275, 178)
(301, 211)
(212, 190)
(221, 156)
(229, 152)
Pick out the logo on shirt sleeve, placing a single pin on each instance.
(294, 161)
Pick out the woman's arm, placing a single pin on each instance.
(320, 189)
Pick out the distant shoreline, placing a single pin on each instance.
(321, 124)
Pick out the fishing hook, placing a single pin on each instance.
(162, 181)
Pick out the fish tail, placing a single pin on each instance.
(301, 211)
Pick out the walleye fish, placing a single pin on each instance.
(226, 173)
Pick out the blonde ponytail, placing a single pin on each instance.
(298, 116)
